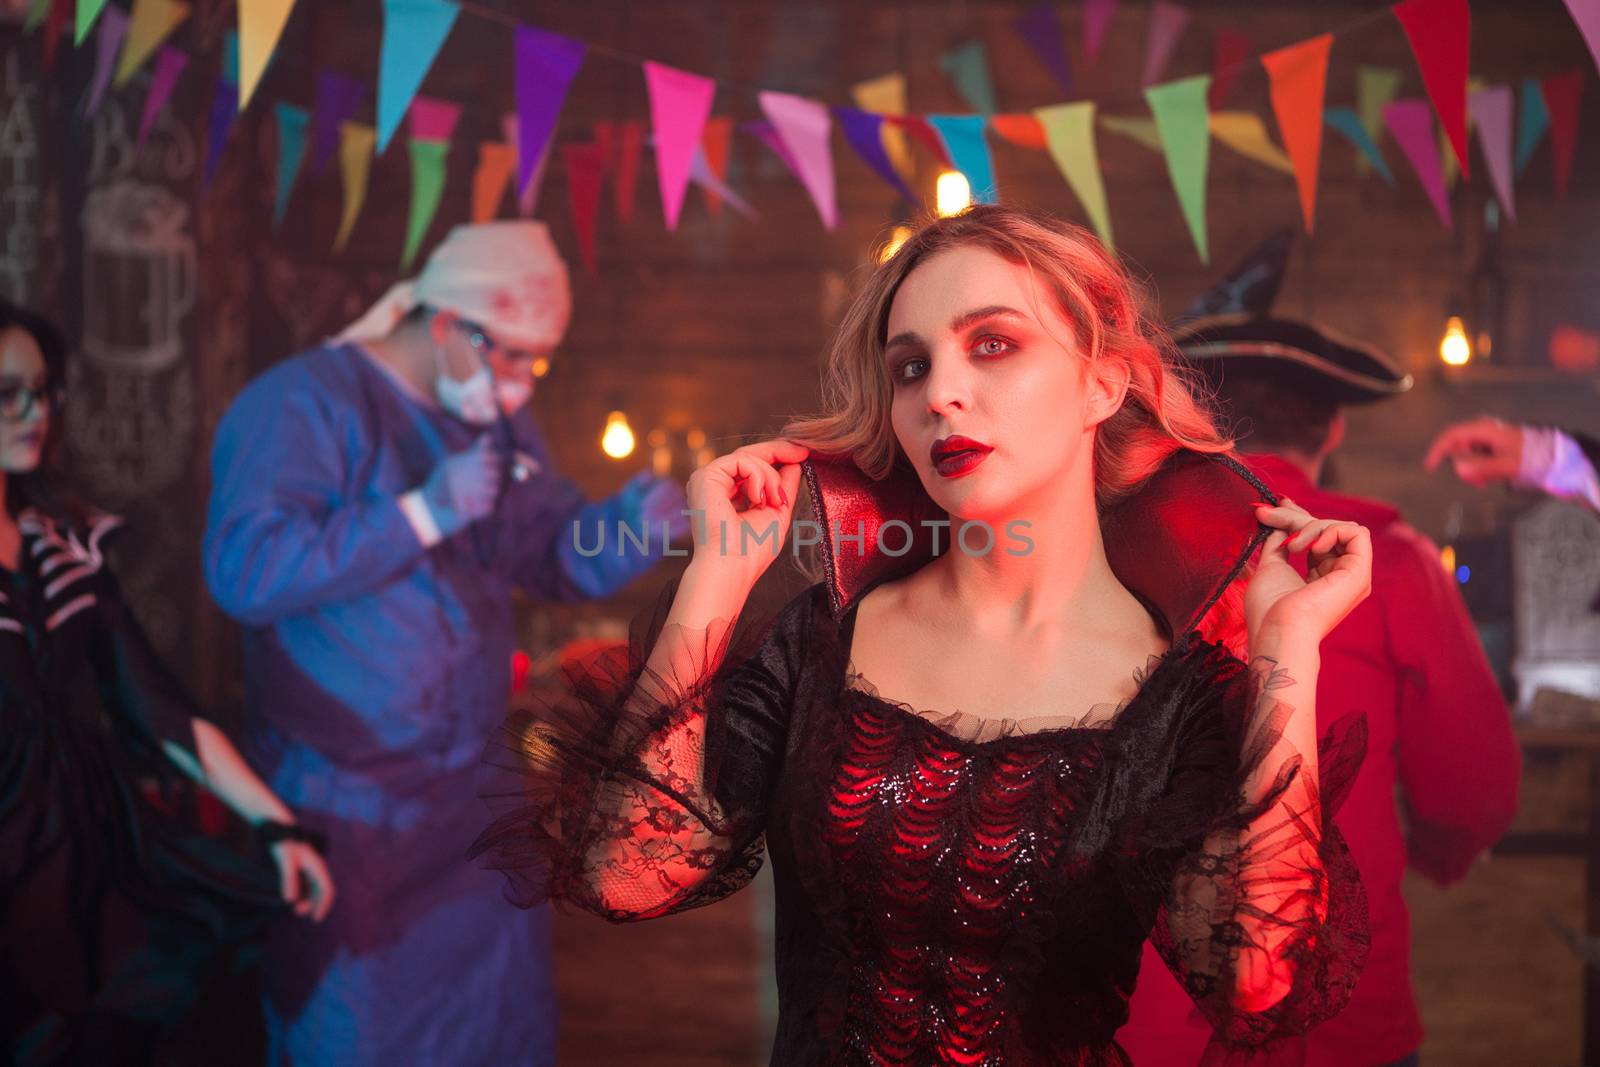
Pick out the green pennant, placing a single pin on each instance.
(1069, 133)
(88, 15)
(1183, 122)
(427, 187)
(1375, 88)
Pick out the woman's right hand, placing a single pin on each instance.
(303, 879)
(765, 477)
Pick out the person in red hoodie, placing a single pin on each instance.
(1408, 657)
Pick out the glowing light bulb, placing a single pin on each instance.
(953, 193)
(898, 237)
(1454, 348)
(617, 440)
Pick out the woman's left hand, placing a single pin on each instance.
(303, 878)
(1281, 604)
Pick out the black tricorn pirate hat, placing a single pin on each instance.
(1298, 354)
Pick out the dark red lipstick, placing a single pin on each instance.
(957, 455)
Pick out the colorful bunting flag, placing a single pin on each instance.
(170, 64)
(497, 161)
(1411, 125)
(1246, 134)
(1096, 22)
(680, 104)
(1040, 29)
(1440, 32)
(863, 131)
(1375, 87)
(113, 26)
(585, 165)
(1180, 111)
(88, 13)
(413, 33)
(427, 189)
(1562, 93)
(804, 125)
(1022, 130)
(150, 23)
(700, 174)
(1299, 76)
(1230, 53)
(433, 120)
(1586, 13)
(1069, 132)
(230, 58)
(1136, 128)
(37, 10)
(886, 95)
(1533, 119)
(1490, 110)
(293, 124)
(767, 134)
(1349, 123)
(546, 65)
(261, 24)
(715, 144)
(510, 130)
(356, 144)
(923, 134)
(1167, 22)
(964, 143)
(968, 68)
(54, 27)
(338, 99)
(630, 147)
(224, 109)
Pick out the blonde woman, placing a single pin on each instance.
(985, 775)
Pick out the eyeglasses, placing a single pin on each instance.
(484, 343)
(17, 401)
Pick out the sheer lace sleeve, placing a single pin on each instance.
(643, 792)
(1259, 910)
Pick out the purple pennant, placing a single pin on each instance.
(224, 109)
(767, 133)
(546, 65)
(864, 131)
(338, 99)
(169, 67)
(108, 40)
(1040, 30)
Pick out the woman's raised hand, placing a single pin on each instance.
(741, 505)
(1281, 605)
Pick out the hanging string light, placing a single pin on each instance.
(617, 439)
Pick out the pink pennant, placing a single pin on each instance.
(110, 30)
(169, 67)
(1491, 113)
(1586, 13)
(680, 104)
(432, 119)
(1411, 124)
(1096, 21)
(1167, 22)
(804, 126)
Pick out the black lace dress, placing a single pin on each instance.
(112, 908)
(954, 890)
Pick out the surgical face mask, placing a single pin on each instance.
(471, 401)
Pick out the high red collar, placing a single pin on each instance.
(1176, 541)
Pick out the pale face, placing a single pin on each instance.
(976, 348)
(461, 359)
(22, 368)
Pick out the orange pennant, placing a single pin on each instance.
(1299, 76)
(715, 141)
(1024, 131)
(496, 162)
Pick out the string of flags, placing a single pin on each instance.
(692, 144)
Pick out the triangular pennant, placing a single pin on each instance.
(546, 65)
(969, 152)
(585, 166)
(715, 144)
(863, 131)
(170, 64)
(1181, 122)
(804, 126)
(113, 26)
(293, 125)
(413, 33)
(37, 10)
(1230, 54)
(1022, 130)
(432, 119)
(338, 99)
(1299, 76)
(230, 59)
(1491, 113)
(1040, 29)
(700, 174)
(630, 147)
(1586, 13)
(967, 67)
(1533, 119)
(1167, 22)
(1440, 32)
(886, 95)
(150, 23)
(261, 25)
(497, 161)
(1562, 93)
(55, 27)
(1375, 87)
(1246, 134)
(1349, 123)
(356, 143)
(224, 109)
(1137, 128)
(680, 104)
(1411, 126)
(767, 134)
(1096, 22)
(923, 134)
(427, 189)
(510, 129)
(1069, 132)
(88, 12)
